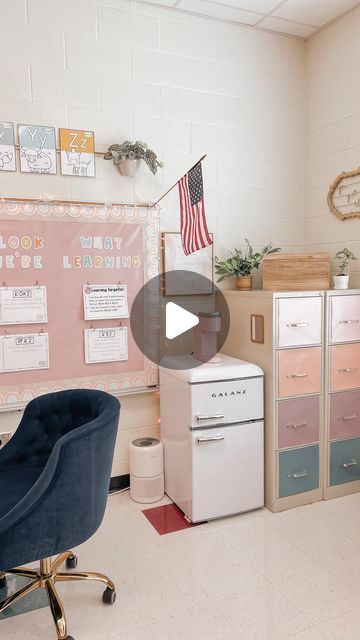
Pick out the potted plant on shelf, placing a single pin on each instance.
(128, 156)
(241, 264)
(341, 280)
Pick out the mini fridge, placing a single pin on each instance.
(212, 428)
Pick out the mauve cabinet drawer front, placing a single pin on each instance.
(299, 372)
(344, 367)
(298, 471)
(298, 422)
(345, 318)
(299, 321)
(344, 461)
(345, 415)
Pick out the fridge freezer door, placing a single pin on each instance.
(227, 401)
(227, 470)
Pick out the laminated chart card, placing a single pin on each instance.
(77, 153)
(106, 345)
(22, 352)
(7, 147)
(37, 148)
(23, 305)
(106, 301)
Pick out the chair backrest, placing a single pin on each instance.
(71, 435)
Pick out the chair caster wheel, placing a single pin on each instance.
(69, 638)
(3, 582)
(109, 596)
(71, 563)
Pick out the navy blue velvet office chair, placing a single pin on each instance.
(54, 481)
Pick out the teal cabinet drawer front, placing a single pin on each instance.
(344, 461)
(298, 471)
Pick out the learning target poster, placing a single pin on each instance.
(77, 153)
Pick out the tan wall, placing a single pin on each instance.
(333, 124)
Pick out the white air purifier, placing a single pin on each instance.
(146, 470)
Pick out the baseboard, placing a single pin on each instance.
(119, 482)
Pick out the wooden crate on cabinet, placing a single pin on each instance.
(342, 393)
(296, 271)
(290, 351)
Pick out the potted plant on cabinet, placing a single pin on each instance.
(241, 264)
(128, 156)
(341, 280)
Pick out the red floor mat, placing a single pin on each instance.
(167, 519)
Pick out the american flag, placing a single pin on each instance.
(194, 231)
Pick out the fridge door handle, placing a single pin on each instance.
(217, 438)
(214, 416)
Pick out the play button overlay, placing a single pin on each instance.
(179, 319)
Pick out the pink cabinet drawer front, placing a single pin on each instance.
(345, 318)
(298, 421)
(299, 321)
(345, 415)
(344, 367)
(299, 372)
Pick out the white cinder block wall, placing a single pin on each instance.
(184, 85)
(333, 122)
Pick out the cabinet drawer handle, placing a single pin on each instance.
(297, 324)
(298, 375)
(202, 439)
(215, 416)
(349, 370)
(349, 321)
(346, 465)
(348, 418)
(298, 474)
(299, 425)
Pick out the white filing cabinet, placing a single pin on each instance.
(213, 434)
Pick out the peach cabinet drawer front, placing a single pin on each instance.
(299, 372)
(299, 321)
(345, 415)
(298, 421)
(345, 367)
(345, 318)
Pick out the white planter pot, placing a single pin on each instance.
(129, 168)
(341, 282)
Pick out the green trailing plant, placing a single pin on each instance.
(242, 263)
(344, 256)
(133, 151)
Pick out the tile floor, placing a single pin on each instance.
(259, 576)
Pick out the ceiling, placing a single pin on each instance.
(300, 18)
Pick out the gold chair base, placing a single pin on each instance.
(46, 578)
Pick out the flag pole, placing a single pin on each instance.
(174, 185)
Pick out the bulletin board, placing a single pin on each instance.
(63, 247)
